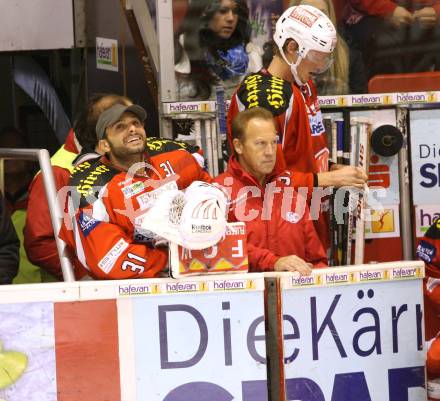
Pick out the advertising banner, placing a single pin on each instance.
(383, 171)
(362, 340)
(425, 156)
(27, 352)
(351, 333)
(227, 256)
(206, 345)
(383, 223)
(426, 215)
(167, 340)
(107, 54)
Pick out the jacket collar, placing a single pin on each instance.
(237, 171)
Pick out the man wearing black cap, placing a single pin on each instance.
(109, 196)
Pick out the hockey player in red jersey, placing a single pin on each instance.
(305, 39)
(428, 250)
(110, 193)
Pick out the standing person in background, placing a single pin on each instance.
(395, 36)
(279, 237)
(305, 39)
(213, 47)
(9, 246)
(80, 145)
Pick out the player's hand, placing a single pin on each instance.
(293, 263)
(426, 16)
(401, 16)
(343, 176)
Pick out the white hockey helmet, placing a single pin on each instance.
(203, 221)
(311, 29)
(194, 219)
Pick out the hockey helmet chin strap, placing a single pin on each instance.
(294, 67)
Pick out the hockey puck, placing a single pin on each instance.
(386, 140)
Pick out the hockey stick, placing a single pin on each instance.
(363, 161)
(221, 125)
(351, 201)
(328, 126)
(339, 207)
(208, 141)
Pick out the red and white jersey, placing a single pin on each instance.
(104, 204)
(297, 115)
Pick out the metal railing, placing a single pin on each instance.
(56, 213)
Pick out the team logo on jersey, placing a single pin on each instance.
(292, 217)
(87, 223)
(426, 251)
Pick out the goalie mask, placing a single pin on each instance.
(314, 33)
(194, 219)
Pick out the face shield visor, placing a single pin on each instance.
(320, 62)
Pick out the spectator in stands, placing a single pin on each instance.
(258, 187)
(9, 246)
(18, 174)
(395, 36)
(80, 145)
(287, 90)
(213, 47)
(101, 226)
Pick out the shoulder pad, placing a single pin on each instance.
(157, 146)
(261, 90)
(88, 178)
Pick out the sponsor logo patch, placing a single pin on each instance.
(107, 262)
(426, 251)
(201, 228)
(306, 17)
(133, 189)
(147, 199)
(316, 124)
(87, 223)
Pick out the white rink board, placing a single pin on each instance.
(359, 341)
(205, 347)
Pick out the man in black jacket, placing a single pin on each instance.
(9, 246)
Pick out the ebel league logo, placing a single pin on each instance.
(87, 223)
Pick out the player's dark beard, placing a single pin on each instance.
(124, 153)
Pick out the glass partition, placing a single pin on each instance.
(220, 41)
